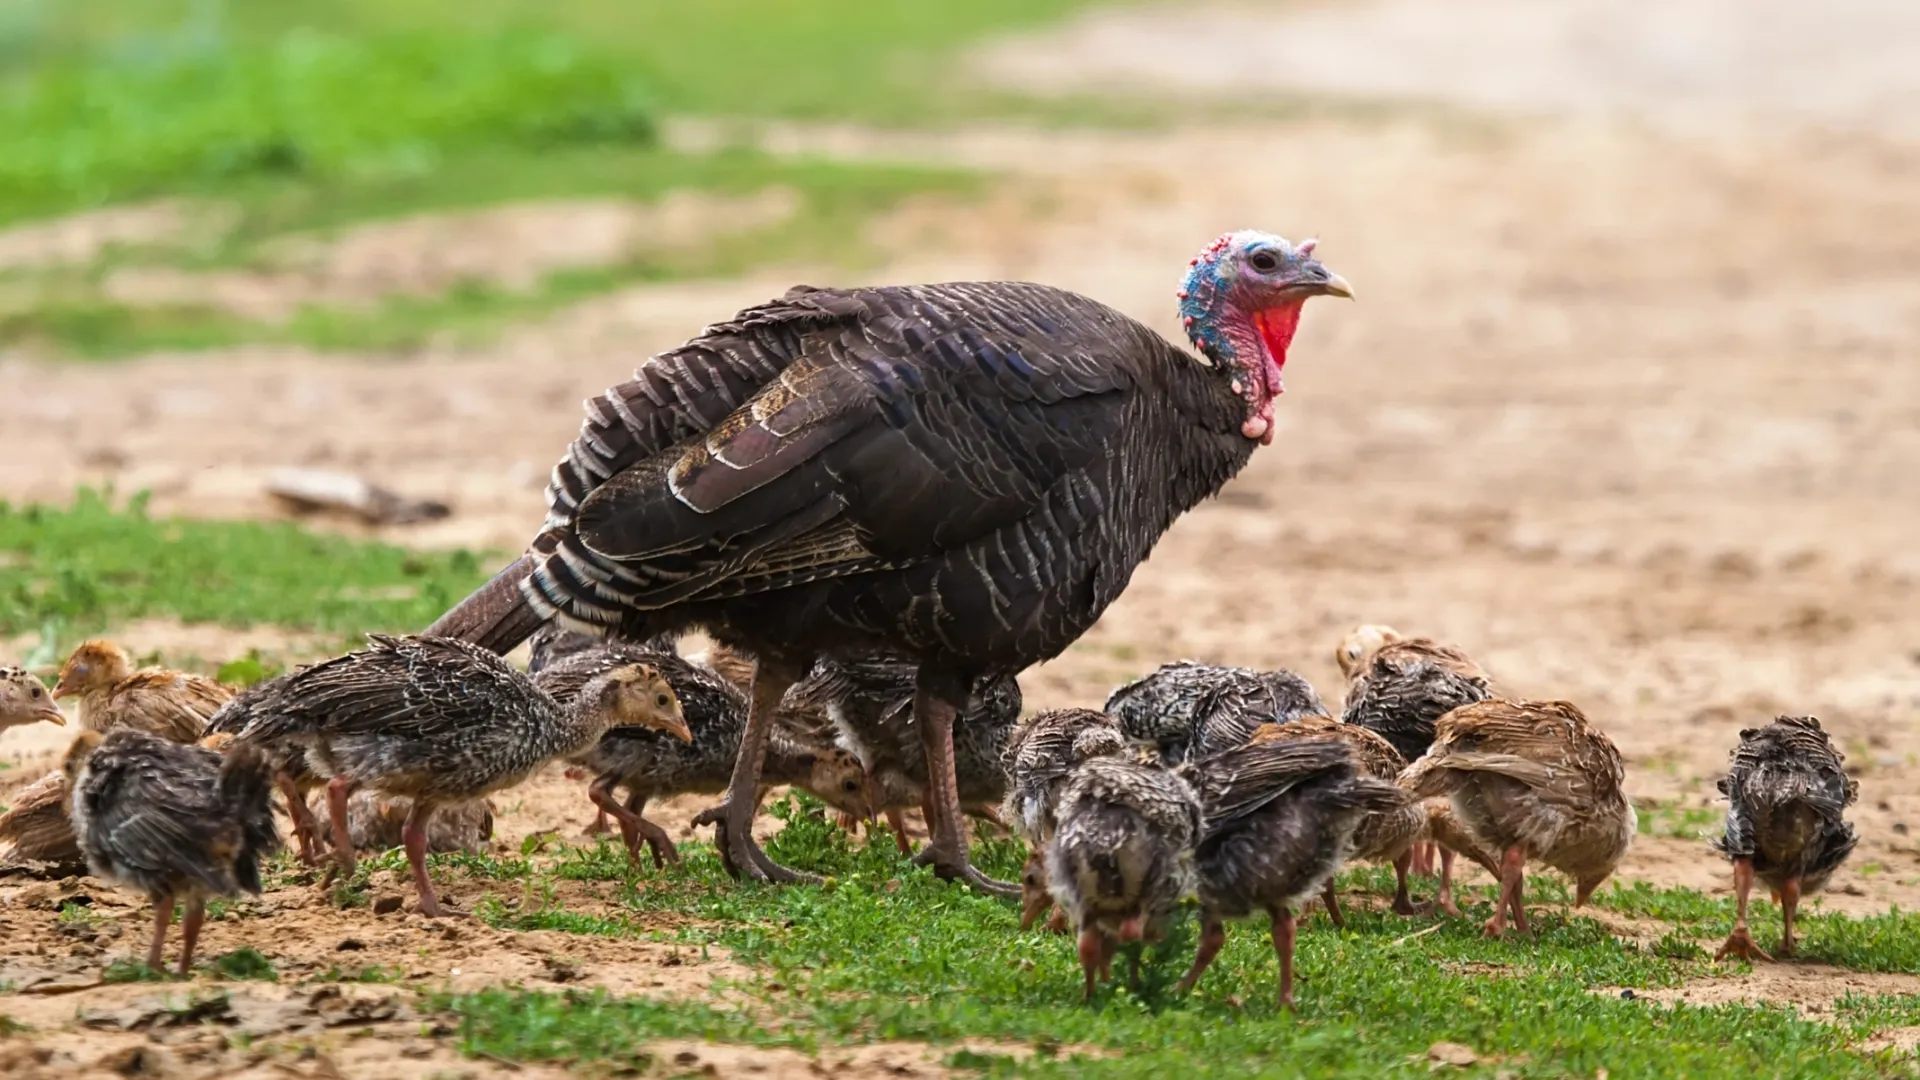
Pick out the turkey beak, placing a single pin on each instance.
(1335, 285)
(62, 689)
(51, 713)
(677, 728)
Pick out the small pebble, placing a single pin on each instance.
(1626, 995)
(350, 945)
(387, 905)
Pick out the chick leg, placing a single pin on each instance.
(1330, 896)
(1092, 949)
(1740, 942)
(938, 696)
(162, 918)
(1403, 903)
(1789, 903)
(1423, 858)
(413, 835)
(190, 922)
(1445, 897)
(733, 818)
(1213, 934)
(1283, 935)
(306, 831)
(897, 822)
(1512, 875)
(339, 790)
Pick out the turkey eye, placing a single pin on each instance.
(851, 785)
(1263, 261)
(36, 691)
(660, 701)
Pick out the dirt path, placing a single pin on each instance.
(1635, 417)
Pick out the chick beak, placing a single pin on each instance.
(62, 689)
(51, 713)
(677, 728)
(1335, 285)
(1032, 907)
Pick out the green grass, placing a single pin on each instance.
(296, 119)
(91, 566)
(885, 952)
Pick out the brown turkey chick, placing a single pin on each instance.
(179, 823)
(1398, 687)
(1383, 836)
(174, 705)
(1531, 780)
(377, 823)
(1787, 796)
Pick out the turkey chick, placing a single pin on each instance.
(1041, 752)
(1383, 836)
(1531, 780)
(1787, 795)
(651, 765)
(1190, 710)
(1279, 817)
(179, 823)
(1121, 855)
(171, 704)
(439, 722)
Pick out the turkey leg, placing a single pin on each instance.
(190, 923)
(633, 827)
(1740, 942)
(938, 697)
(162, 918)
(413, 836)
(1789, 903)
(733, 819)
(1213, 934)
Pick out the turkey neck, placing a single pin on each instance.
(788, 760)
(571, 728)
(1204, 438)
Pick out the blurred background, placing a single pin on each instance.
(1629, 404)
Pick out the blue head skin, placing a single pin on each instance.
(1240, 305)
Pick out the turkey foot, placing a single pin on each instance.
(1330, 896)
(633, 827)
(732, 820)
(938, 697)
(1740, 944)
(1513, 880)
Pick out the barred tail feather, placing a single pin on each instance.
(498, 615)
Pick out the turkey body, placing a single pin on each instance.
(964, 474)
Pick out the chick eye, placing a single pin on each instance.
(1264, 261)
(660, 701)
(36, 691)
(851, 785)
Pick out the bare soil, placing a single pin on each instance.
(1632, 412)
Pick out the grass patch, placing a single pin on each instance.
(91, 565)
(243, 963)
(884, 951)
(304, 103)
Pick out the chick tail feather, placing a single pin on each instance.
(246, 791)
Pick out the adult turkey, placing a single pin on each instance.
(963, 474)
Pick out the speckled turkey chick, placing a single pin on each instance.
(1041, 753)
(870, 705)
(440, 721)
(34, 831)
(1787, 795)
(1384, 836)
(1280, 817)
(1531, 780)
(179, 823)
(1190, 710)
(171, 704)
(651, 765)
(1121, 856)
(553, 644)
